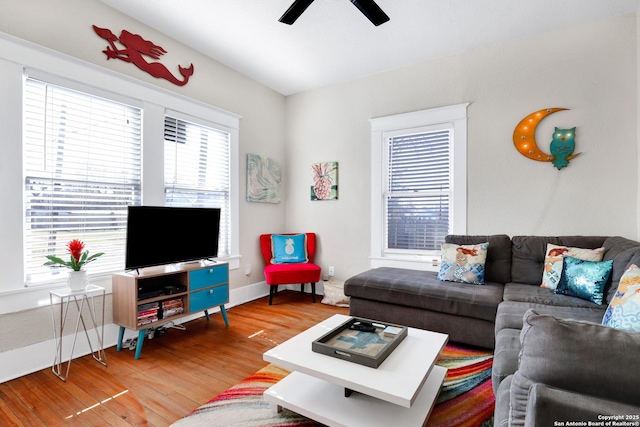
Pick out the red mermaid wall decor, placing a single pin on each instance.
(134, 51)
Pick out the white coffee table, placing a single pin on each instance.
(401, 391)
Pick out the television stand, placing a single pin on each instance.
(142, 300)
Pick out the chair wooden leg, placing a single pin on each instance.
(313, 291)
(273, 289)
(301, 288)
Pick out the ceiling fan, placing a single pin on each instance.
(368, 7)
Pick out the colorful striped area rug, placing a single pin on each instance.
(466, 398)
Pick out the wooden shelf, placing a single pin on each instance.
(205, 287)
(162, 298)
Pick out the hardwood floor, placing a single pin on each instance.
(177, 371)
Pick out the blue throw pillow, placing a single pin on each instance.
(624, 310)
(584, 279)
(463, 263)
(289, 249)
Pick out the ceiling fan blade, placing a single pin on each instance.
(371, 10)
(294, 11)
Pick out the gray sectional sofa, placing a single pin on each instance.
(553, 360)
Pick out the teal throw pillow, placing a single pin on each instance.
(289, 249)
(584, 279)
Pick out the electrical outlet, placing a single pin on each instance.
(247, 269)
(331, 271)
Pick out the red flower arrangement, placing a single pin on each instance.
(78, 258)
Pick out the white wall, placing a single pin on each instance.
(64, 28)
(590, 69)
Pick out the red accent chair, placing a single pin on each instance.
(287, 274)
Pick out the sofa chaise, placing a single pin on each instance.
(553, 360)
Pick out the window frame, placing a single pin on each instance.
(37, 276)
(382, 128)
(17, 55)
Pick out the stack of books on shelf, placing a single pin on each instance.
(172, 307)
(148, 313)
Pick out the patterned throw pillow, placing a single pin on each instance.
(289, 249)
(463, 263)
(553, 261)
(584, 279)
(624, 310)
(334, 294)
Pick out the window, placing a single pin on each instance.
(417, 190)
(82, 170)
(418, 185)
(84, 143)
(197, 170)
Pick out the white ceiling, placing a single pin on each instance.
(333, 42)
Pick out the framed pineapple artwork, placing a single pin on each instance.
(325, 181)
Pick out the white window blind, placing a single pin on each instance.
(82, 170)
(418, 191)
(197, 171)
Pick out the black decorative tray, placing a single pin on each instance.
(365, 348)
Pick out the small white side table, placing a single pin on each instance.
(66, 297)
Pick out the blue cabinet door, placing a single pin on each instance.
(209, 276)
(207, 298)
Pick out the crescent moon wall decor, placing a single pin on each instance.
(562, 144)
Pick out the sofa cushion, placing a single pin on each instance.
(538, 295)
(616, 246)
(510, 313)
(292, 273)
(505, 357)
(421, 289)
(529, 253)
(498, 264)
(555, 352)
(463, 330)
(547, 405)
(501, 413)
(621, 261)
(463, 263)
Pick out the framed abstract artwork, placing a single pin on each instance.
(263, 179)
(325, 181)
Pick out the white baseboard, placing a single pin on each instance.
(25, 360)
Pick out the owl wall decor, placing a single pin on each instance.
(562, 143)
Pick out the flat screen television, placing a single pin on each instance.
(159, 235)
